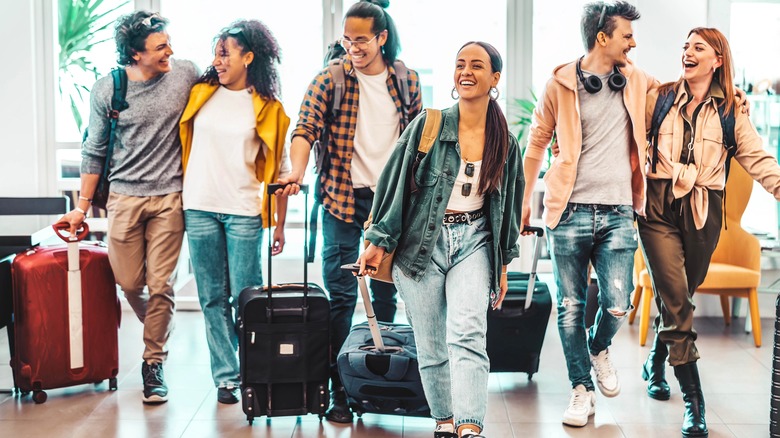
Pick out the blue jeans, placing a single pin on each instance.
(225, 252)
(605, 236)
(451, 349)
(341, 242)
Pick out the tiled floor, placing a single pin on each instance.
(736, 378)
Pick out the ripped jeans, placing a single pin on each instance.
(605, 236)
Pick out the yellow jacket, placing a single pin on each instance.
(272, 125)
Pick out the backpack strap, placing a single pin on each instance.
(118, 104)
(662, 106)
(429, 134)
(430, 130)
(336, 69)
(727, 122)
(402, 82)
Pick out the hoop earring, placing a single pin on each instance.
(454, 94)
(492, 97)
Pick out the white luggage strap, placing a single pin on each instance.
(75, 309)
(379, 344)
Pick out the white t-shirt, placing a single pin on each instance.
(220, 175)
(378, 128)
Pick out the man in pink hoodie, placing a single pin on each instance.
(596, 107)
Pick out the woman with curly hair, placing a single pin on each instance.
(233, 133)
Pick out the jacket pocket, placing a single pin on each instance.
(712, 146)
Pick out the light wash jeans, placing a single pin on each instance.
(605, 236)
(225, 252)
(451, 351)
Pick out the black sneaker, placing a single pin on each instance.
(155, 390)
(227, 396)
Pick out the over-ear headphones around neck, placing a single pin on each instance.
(592, 83)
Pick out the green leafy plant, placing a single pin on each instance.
(523, 111)
(81, 25)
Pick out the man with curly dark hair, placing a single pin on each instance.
(145, 221)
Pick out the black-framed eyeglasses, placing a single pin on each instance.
(602, 17)
(361, 45)
(152, 20)
(238, 34)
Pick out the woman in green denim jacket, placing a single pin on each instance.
(452, 241)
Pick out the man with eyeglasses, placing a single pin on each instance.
(145, 221)
(362, 136)
(596, 107)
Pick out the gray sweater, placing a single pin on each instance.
(147, 151)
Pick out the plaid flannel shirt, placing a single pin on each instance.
(338, 197)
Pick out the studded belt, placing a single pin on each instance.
(459, 218)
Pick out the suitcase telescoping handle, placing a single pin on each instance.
(75, 307)
(379, 344)
(272, 188)
(529, 295)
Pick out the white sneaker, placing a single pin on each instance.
(582, 405)
(606, 375)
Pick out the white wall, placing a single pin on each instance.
(20, 159)
(661, 32)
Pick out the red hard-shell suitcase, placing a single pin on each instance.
(66, 317)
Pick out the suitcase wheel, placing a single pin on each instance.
(112, 384)
(250, 419)
(530, 376)
(39, 397)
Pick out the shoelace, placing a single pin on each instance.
(579, 400)
(603, 366)
(153, 375)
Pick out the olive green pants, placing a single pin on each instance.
(677, 256)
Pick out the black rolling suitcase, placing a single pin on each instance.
(516, 331)
(284, 346)
(378, 366)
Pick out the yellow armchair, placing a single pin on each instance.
(735, 269)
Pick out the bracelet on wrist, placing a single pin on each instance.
(82, 211)
(82, 198)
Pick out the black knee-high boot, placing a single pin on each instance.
(654, 371)
(694, 424)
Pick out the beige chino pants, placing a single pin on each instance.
(144, 240)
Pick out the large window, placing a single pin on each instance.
(556, 37)
(84, 51)
(432, 31)
(754, 35)
(297, 26)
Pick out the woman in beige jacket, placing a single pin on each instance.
(684, 198)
